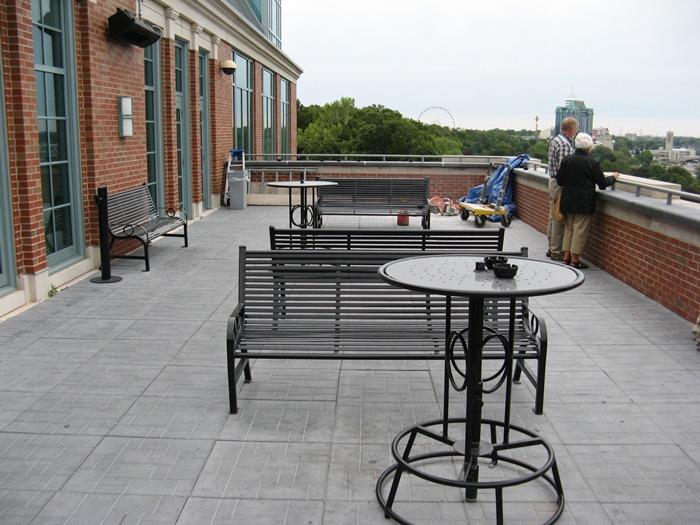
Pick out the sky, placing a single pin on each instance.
(501, 63)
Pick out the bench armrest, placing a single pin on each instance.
(234, 328)
(536, 327)
(129, 230)
(171, 212)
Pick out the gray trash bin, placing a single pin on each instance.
(238, 189)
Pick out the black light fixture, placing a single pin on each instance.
(126, 25)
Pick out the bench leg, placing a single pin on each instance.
(145, 256)
(232, 399)
(539, 387)
(186, 240)
(518, 370)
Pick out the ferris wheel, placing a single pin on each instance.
(437, 115)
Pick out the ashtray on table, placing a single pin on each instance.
(505, 270)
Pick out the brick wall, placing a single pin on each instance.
(107, 159)
(445, 182)
(661, 267)
(221, 107)
(167, 75)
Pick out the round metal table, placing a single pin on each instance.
(455, 276)
(307, 212)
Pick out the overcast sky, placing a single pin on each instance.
(500, 63)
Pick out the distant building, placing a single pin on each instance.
(670, 155)
(602, 137)
(575, 107)
(669, 140)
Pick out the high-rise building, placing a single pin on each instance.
(574, 107)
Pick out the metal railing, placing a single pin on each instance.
(359, 158)
(273, 174)
(639, 186)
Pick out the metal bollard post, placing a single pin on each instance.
(103, 220)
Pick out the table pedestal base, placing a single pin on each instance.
(494, 451)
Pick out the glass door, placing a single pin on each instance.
(182, 128)
(154, 123)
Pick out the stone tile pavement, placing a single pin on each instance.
(113, 405)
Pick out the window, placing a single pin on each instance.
(204, 139)
(274, 22)
(56, 112)
(182, 127)
(154, 123)
(284, 116)
(268, 80)
(242, 108)
(7, 256)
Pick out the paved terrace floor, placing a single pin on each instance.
(113, 405)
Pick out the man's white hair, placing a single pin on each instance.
(584, 141)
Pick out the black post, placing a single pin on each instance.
(103, 219)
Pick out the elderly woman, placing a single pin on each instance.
(578, 175)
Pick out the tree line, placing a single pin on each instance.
(340, 127)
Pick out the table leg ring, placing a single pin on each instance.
(505, 468)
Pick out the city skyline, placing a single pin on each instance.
(500, 64)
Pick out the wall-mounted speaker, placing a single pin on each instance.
(124, 24)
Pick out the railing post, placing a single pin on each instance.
(103, 220)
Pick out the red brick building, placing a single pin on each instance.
(70, 92)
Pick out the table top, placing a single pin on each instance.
(456, 275)
(302, 184)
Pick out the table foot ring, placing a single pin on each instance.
(410, 464)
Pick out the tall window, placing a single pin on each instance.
(204, 140)
(182, 127)
(154, 123)
(274, 22)
(7, 272)
(268, 80)
(284, 116)
(57, 137)
(242, 108)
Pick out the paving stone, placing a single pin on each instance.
(28, 374)
(145, 466)
(264, 471)
(91, 328)
(161, 330)
(190, 381)
(112, 379)
(79, 414)
(292, 384)
(202, 353)
(385, 386)
(260, 512)
(38, 462)
(19, 507)
(286, 421)
(72, 349)
(174, 417)
(137, 352)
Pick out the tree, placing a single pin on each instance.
(540, 150)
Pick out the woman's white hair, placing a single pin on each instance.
(584, 141)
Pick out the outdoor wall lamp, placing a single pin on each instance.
(126, 117)
(228, 66)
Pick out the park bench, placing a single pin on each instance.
(374, 197)
(133, 215)
(387, 240)
(331, 304)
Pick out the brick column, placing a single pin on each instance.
(167, 72)
(220, 117)
(23, 136)
(292, 118)
(195, 139)
(257, 109)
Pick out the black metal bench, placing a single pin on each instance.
(374, 197)
(133, 215)
(387, 240)
(331, 304)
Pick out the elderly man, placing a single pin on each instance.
(559, 147)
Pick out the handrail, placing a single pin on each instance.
(693, 197)
(360, 157)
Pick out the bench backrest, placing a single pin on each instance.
(132, 206)
(390, 192)
(387, 240)
(342, 288)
